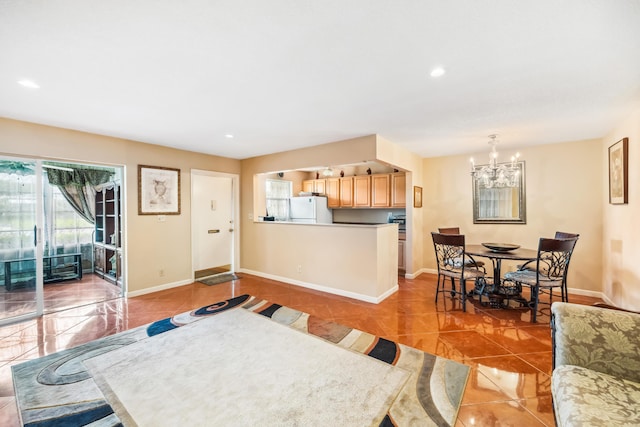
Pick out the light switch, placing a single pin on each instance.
(214, 205)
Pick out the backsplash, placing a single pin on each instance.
(365, 216)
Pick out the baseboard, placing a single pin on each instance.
(162, 287)
(574, 291)
(419, 272)
(316, 287)
(587, 293)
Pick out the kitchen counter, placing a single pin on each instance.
(338, 224)
(354, 260)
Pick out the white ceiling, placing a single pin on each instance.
(285, 74)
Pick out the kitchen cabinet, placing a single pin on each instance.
(365, 191)
(398, 190)
(314, 186)
(380, 194)
(402, 262)
(333, 192)
(362, 191)
(346, 192)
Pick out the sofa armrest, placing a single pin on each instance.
(600, 339)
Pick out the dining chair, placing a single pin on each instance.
(456, 230)
(564, 235)
(546, 272)
(454, 263)
(561, 235)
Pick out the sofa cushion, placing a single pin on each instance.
(584, 397)
(600, 339)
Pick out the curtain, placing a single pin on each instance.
(278, 193)
(78, 188)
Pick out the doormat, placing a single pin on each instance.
(221, 278)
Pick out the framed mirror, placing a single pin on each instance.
(499, 194)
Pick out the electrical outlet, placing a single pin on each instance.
(299, 268)
(161, 272)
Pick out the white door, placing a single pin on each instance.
(212, 222)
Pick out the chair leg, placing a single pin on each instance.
(440, 277)
(535, 292)
(463, 293)
(453, 286)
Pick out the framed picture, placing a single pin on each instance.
(619, 172)
(417, 197)
(158, 190)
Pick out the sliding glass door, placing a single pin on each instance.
(49, 249)
(21, 248)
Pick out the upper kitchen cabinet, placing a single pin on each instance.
(314, 186)
(346, 192)
(398, 190)
(333, 192)
(380, 194)
(362, 191)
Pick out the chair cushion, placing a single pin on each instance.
(528, 277)
(457, 262)
(469, 273)
(583, 397)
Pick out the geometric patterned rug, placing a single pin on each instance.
(58, 389)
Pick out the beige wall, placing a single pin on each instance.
(252, 204)
(563, 193)
(621, 234)
(393, 154)
(151, 245)
(352, 261)
(566, 190)
(357, 150)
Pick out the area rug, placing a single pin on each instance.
(235, 362)
(219, 278)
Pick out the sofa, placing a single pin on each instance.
(596, 366)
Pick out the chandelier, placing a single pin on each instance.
(496, 175)
(327, 172)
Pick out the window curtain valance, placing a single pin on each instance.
(78, 177)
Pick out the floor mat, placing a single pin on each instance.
(220, 278)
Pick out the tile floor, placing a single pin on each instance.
(58, 296)
(510, 358)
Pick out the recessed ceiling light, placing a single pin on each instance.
(29, 83)
(437, 72)
(228, 136)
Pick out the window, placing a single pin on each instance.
(278, 193)
(69, 228)
(63, 226)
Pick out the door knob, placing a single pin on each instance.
(213, 231)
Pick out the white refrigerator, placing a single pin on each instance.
(310, 210)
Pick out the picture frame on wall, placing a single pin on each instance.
(417, 197)
(619, 172)
(158, 190)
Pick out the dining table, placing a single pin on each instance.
(496, 257)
